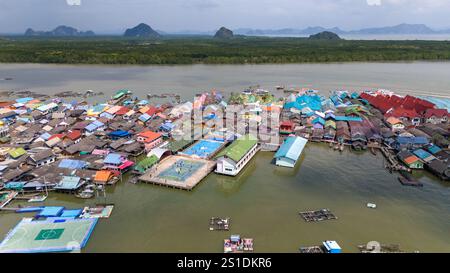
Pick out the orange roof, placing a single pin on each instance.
(393, 120)
(144, 109)
(149, 135)
(103, 176)
(411, 159)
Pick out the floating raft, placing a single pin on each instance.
(312, 249)
(97, 212)
(217, 223)
(318, 215)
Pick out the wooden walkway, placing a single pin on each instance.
(152, 175)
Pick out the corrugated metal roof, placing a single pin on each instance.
(291, 148)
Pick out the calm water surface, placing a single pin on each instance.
(264, 200)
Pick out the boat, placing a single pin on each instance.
(406, 179)
(85, 194)
(371, 205)
(37, 199)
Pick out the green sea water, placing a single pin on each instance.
(263, 203)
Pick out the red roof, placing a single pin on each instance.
(74, 135)
(122, 111)
(440, 113)
(56, 136)
(287, 123)
(149, 136)
(385, 103)
(152, 110)
(400, 112)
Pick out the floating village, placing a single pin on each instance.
(50, 145)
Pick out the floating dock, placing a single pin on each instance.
(217, 223)
(318, 215)
(178, 172)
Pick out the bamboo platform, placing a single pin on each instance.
(318, 215)
(312, 249)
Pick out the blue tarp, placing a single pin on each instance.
(72, 164)
(119, 134)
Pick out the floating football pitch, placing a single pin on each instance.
(181, 171)
(51, 235)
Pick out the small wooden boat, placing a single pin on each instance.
(86, 194)
(406, 179)
(37, 199)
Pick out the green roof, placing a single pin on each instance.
(237, 150)
(146, 163)
(121, 93)
(16, 153)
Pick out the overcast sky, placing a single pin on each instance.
(114, 16)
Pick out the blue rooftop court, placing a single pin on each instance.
(203, 148)
(51, 235)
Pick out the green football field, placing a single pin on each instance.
(48, 236)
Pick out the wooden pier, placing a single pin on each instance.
(393, 164)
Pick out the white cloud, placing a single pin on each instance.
(73, 2)
(374, 2)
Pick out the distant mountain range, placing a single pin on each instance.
(402, 29)
(60, 31)
(143, 30)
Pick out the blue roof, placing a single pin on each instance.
(345, 118)
(114, 159)
(24, 100)
(412, 140)
(98, 123)
(91, 127)
(319, 120)
(69, 183)
(422, 154)
(106, 115)
(434, 149)
(50, 212)
(71, 213)
(144, 117)
(291, 148)
(72, 164)
(293, 104)
(45, 136)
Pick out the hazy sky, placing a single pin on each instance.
(113, 16)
